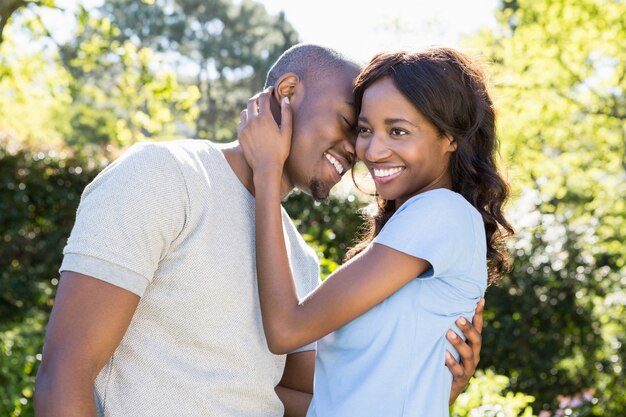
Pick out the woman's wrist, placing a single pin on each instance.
(268, 173)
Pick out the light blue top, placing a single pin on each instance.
(390, 361)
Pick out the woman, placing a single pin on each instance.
(426, 132)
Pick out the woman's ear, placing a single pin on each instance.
(451, 141)
(286, 86)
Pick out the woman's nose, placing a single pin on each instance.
(376, 149)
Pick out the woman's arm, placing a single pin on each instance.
(353, 289)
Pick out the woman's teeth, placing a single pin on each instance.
(335, 163)
(386, 172)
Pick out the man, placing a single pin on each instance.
(157, 311)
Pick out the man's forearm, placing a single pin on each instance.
(64, 395)
(296, 402)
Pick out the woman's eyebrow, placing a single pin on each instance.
(390, 121)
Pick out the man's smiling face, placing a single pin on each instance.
(324, 134)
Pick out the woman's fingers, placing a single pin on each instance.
(253, 106)
(243, 119)
(264, 102)
(286, 117)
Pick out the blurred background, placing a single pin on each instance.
(82, 81)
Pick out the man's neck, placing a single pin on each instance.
(235, 158)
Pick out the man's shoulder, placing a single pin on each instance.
(190, 156)
(182, 150)
(303, 257)
(169, 167)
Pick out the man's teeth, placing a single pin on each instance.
(335, 163)
(386, 172)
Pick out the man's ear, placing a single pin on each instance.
(286, 86)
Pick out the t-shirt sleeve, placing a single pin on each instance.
(435, 226)
(127, 218)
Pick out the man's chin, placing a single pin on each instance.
(318, 190)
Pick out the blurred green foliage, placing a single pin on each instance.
(8, 8)
(330, 227)
(39, 194)
(554, 334)
(486, 396)
(20, 352)
(223, 47)
(117, 98)
(556, 323)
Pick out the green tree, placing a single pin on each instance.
(225, 48)
(118, 96)
(34, 99)
(559, 80)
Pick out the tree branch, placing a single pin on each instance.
(9, 7)
(6, 10)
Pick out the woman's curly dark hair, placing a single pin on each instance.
(451, 92)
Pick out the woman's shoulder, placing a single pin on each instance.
(440, 200)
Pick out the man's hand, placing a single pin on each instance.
(295, 389)
(469, 351)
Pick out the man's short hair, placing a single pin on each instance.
(309, 62)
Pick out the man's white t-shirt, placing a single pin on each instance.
(173, 224)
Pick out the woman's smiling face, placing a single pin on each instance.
(404, 152)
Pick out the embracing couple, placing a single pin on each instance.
(186, 290)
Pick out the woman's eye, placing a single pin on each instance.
(362, 130)
(397, 132)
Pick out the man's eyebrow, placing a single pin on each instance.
(347, 118)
